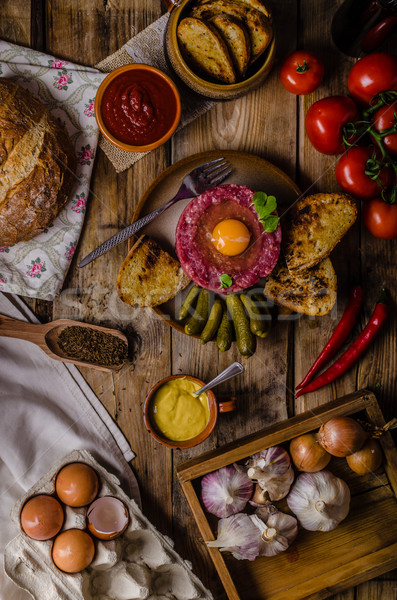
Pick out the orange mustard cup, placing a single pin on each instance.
(147, 69)
(226, 404)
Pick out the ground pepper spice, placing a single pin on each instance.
(92, 346)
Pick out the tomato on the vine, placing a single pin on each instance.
(353, 173)
(301, 72)
(385, 118)
(380, 218)
(325, 121)
(372, 74)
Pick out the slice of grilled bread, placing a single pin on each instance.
(205, 49)
(255, 4)
(237, 40)
(258, 25)
(149, 276)
(314, 226)
(311, 292)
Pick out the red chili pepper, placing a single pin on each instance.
(341, 332)
(353, 353)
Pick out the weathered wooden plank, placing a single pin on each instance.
(316, 174)
(252, 124)
(96, 29)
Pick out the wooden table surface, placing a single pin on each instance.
(267, 122)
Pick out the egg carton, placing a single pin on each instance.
(139, 565)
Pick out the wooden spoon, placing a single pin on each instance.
(46, 336)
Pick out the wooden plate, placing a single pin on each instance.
(318, 564)
(248, 169)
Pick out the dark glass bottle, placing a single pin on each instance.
(360, 26)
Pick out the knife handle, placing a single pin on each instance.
(124, 234)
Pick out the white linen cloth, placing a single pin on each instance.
(37, 268)
(46, 411)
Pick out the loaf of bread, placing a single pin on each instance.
(37, 164)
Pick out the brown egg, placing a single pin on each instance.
(107, 518)
(42, 517)
(73, 550)
(77, 484)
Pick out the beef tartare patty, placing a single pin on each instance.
(199, 257)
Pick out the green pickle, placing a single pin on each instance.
(196, 323)
(224, 335)
(186, 307)
(212, 325)
(245, 340)
(259, 314)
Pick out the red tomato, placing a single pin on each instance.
(325, 120)
(384, 118)
(350, 174)
(301, 72)
(380, 219)
(372, 74)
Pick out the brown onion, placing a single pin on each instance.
(341, 436)
(368, 459)
(307, 454)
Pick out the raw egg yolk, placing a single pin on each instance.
(231, 237)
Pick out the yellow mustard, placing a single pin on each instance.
(176, 413)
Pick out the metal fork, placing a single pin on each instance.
(196, 182)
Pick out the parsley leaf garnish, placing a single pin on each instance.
(225, 280)
(266, 205)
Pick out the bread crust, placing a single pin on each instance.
(205, 49)
(37, 165)
(311, 292)
(237, 40)
(258, 25)
(149, 276)
(314, 226)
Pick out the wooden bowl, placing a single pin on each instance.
(137, 67)
(214, 409)
(257, 73)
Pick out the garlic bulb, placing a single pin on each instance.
(272, 469)
(239, 535)
(319, 500)
(226, 492)
(278, 530)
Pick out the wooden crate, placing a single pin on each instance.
(318, 564)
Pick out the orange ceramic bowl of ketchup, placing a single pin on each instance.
(137, 107)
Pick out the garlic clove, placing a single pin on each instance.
(319, 500)
(226, 492)
(272, 469)
(239, 535)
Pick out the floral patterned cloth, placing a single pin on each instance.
(37, 268)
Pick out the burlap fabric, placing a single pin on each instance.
(148, 47)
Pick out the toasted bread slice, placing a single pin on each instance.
(314, 226)
(311, 292)
(256, 4)
(258, 25)
(149, 276)
(205, 49)
(237, 40)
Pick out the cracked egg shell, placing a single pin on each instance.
(198, 255)
(107, 518)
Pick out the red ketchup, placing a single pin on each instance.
(138, 107)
